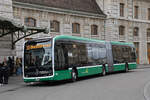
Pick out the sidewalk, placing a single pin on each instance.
(141, 66)
(14, 83)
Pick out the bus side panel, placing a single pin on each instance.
(132, 66)
(89, 71)
(119, 67)
(62, 75)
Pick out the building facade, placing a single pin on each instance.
(6, 11)
(76, 17)
(129, 21)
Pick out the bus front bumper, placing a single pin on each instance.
(27, 80)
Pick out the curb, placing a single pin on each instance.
(144, 66)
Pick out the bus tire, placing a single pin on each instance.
(103, 71)
(126, 67)
(74, 75)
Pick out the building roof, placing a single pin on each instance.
(89, 6)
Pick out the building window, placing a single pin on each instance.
(94, 30)
(75, 28)
(148, 32)
(148, 13)
(54, 26)
(136, 12)
(31, 22)
(136, 31)
(121, 30)
(121, 9)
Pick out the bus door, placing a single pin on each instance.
(109, 57)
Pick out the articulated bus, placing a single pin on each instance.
(69, 57)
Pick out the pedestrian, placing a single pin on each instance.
(10, 65)
(1, 75)
(18, 66)
(4, 73)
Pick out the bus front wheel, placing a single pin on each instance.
(74, 75)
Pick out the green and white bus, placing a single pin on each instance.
(69, 57)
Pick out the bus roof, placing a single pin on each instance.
(76, 38)
(121, 43)
(92, 40)
(59, 37)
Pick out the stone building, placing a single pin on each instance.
(70, 17)
(129, 21)
(5, 42)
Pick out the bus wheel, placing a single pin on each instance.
(74, 75)
(104, 71)
(126, 67)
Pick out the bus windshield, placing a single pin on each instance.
(38, 59)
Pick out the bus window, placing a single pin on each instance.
(117, 54)
(95, 51)
(38, 59)
(59, 58)
(83, 56)
(102, 54)
(96, 54)
(133, 55)
(89, 54)
(126, 53)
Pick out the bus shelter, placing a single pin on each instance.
(16, 30)
(11, 32)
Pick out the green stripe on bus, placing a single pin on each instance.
(132, 66)
(89, 71)
(62, 75)
(119, 67)
(38, 79)
(29, 80)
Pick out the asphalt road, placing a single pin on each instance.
(119, 86)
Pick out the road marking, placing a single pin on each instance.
(146, 94)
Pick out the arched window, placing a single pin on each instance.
(148, 32)
(75, 28)
(122, 9)
(136, 12)
(148, 13)
(136, 31)
(121, 30)
(54, 26)
(94, 30)
(31, 22)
